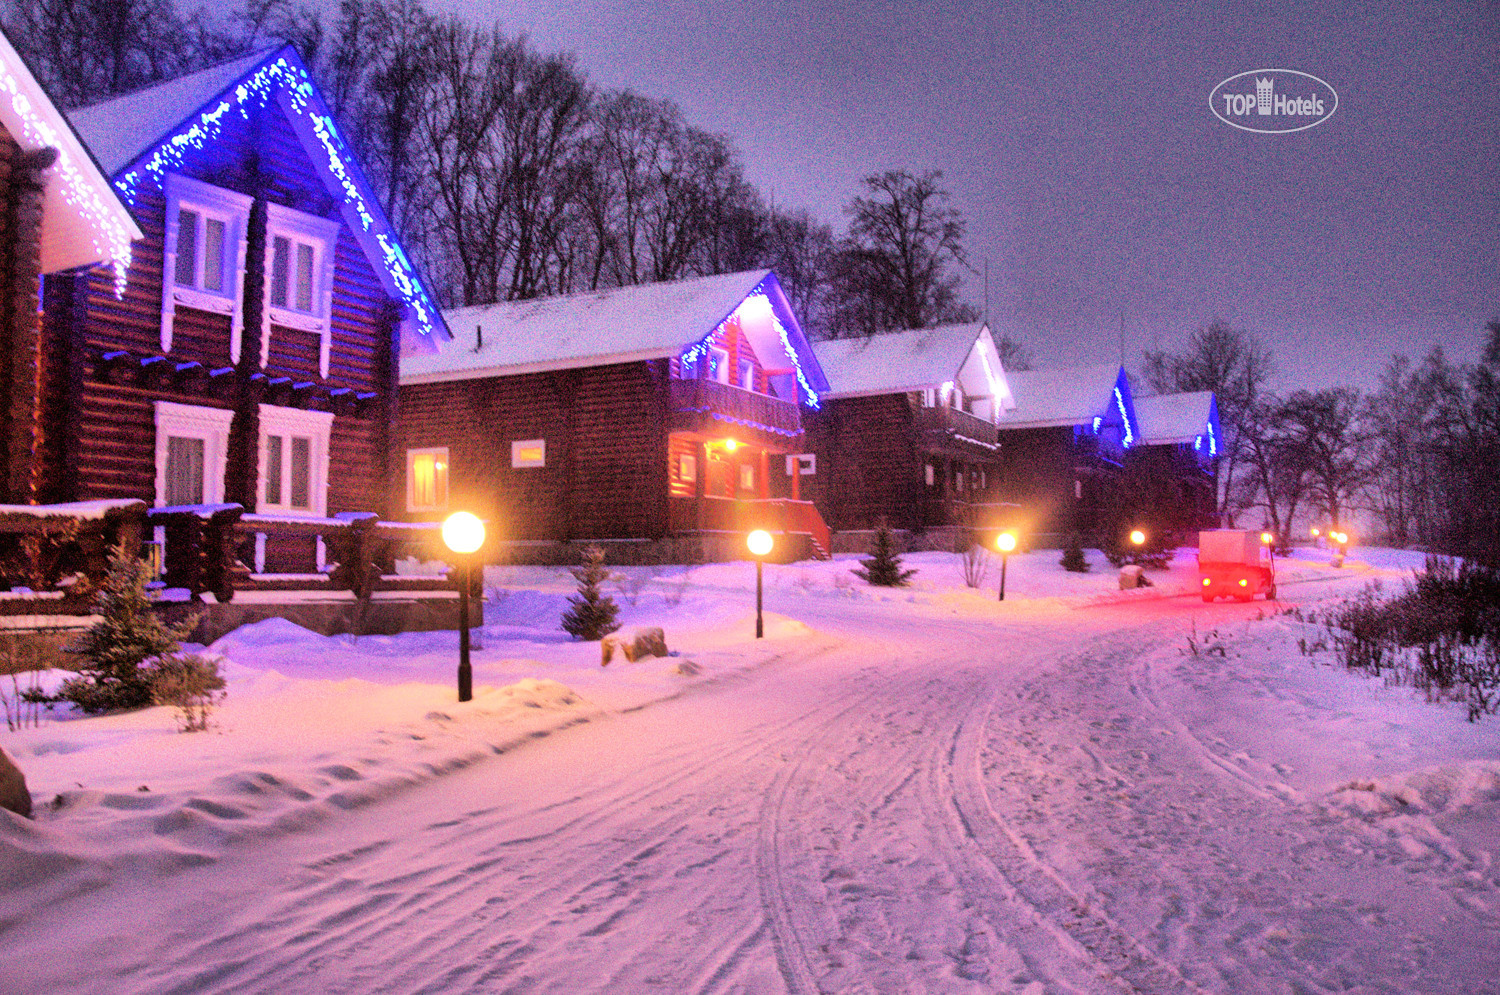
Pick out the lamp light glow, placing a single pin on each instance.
(1138, 537)
(1006, 542)
(730, 445)
(463, 532)
(1265, 538)
(759, 542)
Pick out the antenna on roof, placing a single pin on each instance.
(986, 316)
(1122, 338)
(478, 337)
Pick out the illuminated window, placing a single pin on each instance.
(931, 475)
(718, 364)
(687, 468)
(427, 479)
(299, 276)
(192, 444)
(204, 251)
(747, 477)
(530, 453)
(747, 374)
(293, 461)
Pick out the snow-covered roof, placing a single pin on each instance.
(1049, 398)
(83, 219)
(619, 325)
(1169, 418)
(915, 359)
(142, 136)
(121, 128)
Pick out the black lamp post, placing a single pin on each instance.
(1006, 543)
(464, 534)
(759, 542)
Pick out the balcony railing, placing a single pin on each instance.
(734, 406)
(954, 423)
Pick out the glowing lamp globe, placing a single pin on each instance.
(463, 532)
(1006, 542)
(1138, 537)
(759, 542)
(1265, 538)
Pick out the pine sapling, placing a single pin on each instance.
(883, 568)
(592, 615)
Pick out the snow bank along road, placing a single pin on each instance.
(1052, 799)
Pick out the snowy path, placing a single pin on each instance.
(1048, 801)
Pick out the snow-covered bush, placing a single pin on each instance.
(592, 615)
(1072, 557)
(190, 683)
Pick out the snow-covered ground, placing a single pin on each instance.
(1078, 789)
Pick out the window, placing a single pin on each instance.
(530, 453)
(204, 252)
(687, 468)
(805, 464)
(191, 448)
(718, 364)
(931, 475)
(293, 461)
(747, 374)
(747, 477)
(299, 276)
(427, 479)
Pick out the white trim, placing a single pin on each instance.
(517, 462)
(322, 236)
(190, 421)
(803, 464)
(441, 464)
(227, 206)
(317, 427)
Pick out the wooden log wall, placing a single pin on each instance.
(869, 465)
(105, 358)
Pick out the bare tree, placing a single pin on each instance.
(1235, 366)
(894, 270)
(1276, 477)
(1322, 431)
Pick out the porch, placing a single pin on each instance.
(797, 524)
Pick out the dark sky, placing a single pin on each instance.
(1079, 143)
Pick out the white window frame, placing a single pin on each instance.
(719, 363)
(516, 460)
(440, 454)
(747, 374)
(803, 464)
(322, 235)
(227, 206)
(687, 468)
(317, 426)
(191, 421)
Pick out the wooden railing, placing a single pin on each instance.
(60, 553)
(736, 406)
(207, 548)
(953, 422)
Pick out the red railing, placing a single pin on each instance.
(772, 514)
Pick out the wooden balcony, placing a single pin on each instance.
(940, 425)
(714, 408)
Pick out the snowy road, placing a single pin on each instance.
(1054, 800)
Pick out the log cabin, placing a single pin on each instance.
(660, 420)
(1063, 447)
(1179, 450)
(247, 353)
(907, 431)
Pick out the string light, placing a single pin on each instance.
(285, 80)
(756, 301)
(111, 235)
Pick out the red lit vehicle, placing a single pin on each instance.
(1233, 563)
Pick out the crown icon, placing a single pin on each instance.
(1263, 96)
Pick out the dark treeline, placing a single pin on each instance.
(1419, 456)
(511, 176)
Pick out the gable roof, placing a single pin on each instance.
(1049, 398)
(1174, 418)
(619, 325)
(142, 136)
(83, 219)
(915, 359)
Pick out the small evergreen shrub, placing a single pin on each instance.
(127, 635)
(190, 683)
(883, 568)
(1072, 557)
(592, 615)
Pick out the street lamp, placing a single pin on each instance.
(464, 534)
(759, 542)
(1006, 543)
(1137, 537)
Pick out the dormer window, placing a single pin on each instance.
(204, 253)
(299, 276)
